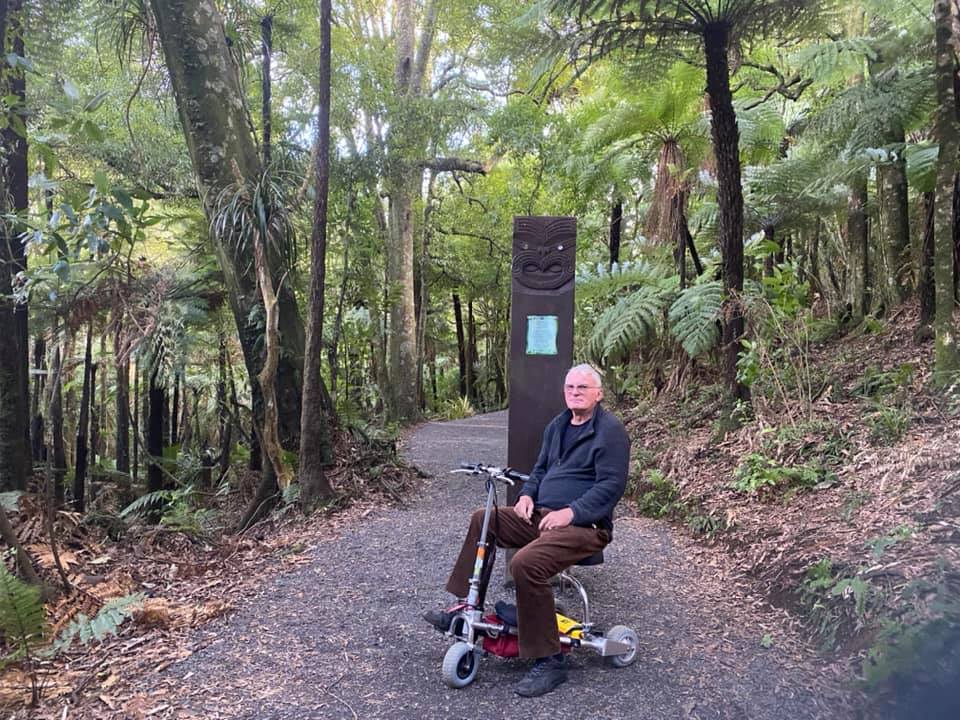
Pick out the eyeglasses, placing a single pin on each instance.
(578, 388)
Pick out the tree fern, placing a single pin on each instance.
(630, 321)
(693, 317)
(22, 618)
(600, 280)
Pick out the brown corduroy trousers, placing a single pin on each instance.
(541, 555)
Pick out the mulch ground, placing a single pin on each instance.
(325, 624)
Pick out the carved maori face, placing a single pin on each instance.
(543, 252)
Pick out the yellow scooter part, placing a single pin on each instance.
(564, 625)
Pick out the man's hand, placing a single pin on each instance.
(556, 519)
(524, 507)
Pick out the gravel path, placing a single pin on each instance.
(341, 637)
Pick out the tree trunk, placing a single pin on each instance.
(136, 422)
(224, 423)
(947, 132)
(14, 405)
(157, 401)
(895, 224)
(83, 425)
(616, 228)
(403, 181)
(925, 284)
(858, 249)
(461, 344)
(122, 399)
(210, 103)
(726, 148)
(472, 356)
(266, 39)
(175, 410)
(94, 449)
(267, 377)
(56, 427)
(39, 449)
(315, 445)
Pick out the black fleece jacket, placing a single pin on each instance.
(589, 477)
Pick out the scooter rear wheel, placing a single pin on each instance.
(460, 665)
(622, 634)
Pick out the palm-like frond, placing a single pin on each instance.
(104, 623)
(599, 280)
(631, 320)
(22, 618)
(693, 317)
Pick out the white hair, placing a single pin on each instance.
(590, 370)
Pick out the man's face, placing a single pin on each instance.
(581, 392)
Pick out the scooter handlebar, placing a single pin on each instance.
(504, 475)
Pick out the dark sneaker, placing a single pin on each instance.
(546, 675)
(440, 619)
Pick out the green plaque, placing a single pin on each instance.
(542, 334)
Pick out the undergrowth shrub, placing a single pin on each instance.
(759, 474)
(25, 630)
(658, 497)
(916, 655)
(838, 601)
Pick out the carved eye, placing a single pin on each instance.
(531, 267)
(554, 268)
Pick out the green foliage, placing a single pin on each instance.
(178, 509)
(757, 474)
(878, 546)
(621, 382)
(917, 649)
(837, 601)
(633, 319)
(877, 383)
(657, 496)
(105, 623)
(457, 409)
(694, 315)
(22, 618)
(889, 424)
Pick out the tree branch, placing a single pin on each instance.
(441, 164)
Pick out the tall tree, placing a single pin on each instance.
(313, 480)
(947, 130)
(83, 427)
(720, 26)
(14, 406)
(211, 107)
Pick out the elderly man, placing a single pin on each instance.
(563, 515)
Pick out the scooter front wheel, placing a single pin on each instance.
(460, 665)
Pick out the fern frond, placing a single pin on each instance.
(146, 503)
(104, 623)
(693, 317)
(22, 617)
(631, 320)
(600, 280)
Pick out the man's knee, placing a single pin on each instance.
(525, 567)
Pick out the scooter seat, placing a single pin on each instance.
(595, 559)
